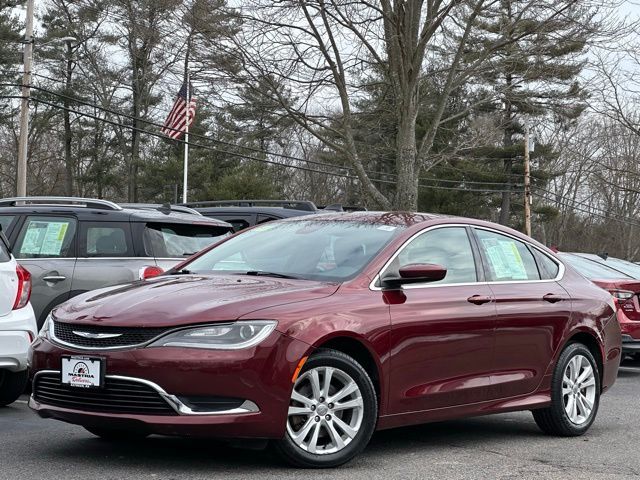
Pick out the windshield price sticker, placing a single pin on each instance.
(82, 372)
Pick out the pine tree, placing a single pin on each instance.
(535, 74)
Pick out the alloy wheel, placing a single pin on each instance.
(579, 389)
(325, 411)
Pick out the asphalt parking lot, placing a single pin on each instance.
(501, 447)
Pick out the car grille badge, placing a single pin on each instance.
(97, 336)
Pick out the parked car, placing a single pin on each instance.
(17, 325)
(315, 331)
(73, 245)
(623, 266)
(617, 278)
(247, 213)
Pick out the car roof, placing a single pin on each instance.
(119, 214)
(395, 218)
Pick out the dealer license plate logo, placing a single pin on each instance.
(82, 372)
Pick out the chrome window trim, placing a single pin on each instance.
(376, 278)
(105, 258)
(174, 402)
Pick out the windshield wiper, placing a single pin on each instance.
(262, 273)
(184, 271)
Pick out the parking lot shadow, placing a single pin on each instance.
(207, 456)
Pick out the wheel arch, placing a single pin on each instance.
(360, 351)
(589, 340)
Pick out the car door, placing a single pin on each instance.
(442, 332)
(46, 247)
(533, 310)
(105, 256)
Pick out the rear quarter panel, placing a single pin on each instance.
(593, 314)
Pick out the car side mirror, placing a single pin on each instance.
(415, 273)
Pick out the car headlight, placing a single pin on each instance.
(46, 327)
(228, 336)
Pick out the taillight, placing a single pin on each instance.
(24, 287)
(627, 302)
(150, 272)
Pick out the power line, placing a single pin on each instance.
(564, 201)
(247, 157)
(288, 157)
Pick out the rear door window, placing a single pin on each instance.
(46, 237)
(175, 240)
(507, 259)
(105, 239)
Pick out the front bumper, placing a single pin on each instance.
(260, 375)
(630, 334)
(16, 332)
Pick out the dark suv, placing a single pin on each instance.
(247, 213)
(73, 245)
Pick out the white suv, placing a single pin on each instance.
(17, 325)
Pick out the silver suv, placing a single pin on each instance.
(73, 245)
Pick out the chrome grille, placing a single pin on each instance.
(117, 396)
(113, 336)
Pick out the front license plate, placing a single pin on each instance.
(83, 372)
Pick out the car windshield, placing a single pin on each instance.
(330, 250)
(628, 268)
(591, 269)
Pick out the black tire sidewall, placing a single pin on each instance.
(332, 358)
(12, 385)
(557, 399)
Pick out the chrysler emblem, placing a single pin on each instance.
(97, 336)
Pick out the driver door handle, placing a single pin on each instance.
(54, 278)
(480, 299)
(552, 298)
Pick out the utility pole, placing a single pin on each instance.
(527, 183)
(21, 187)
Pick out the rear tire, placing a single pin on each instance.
(12, 385)
(575, 394)
(116, 434)
(336, 418)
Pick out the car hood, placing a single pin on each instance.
(184, 300)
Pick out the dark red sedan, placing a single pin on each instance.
(316, 331)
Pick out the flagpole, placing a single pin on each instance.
(186, 141)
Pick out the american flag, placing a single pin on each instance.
(176, 123)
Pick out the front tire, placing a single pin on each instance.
(575, 394)
(332, 412)
(12, 385)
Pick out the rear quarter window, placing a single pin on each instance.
(176, 240)
(5, 256)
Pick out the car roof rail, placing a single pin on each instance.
(165, 207)
(304, 205)
(59, 201)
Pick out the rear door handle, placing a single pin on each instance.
(479, 299)
(552, 298)
(54, 278)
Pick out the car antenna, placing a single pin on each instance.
(604, 256)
